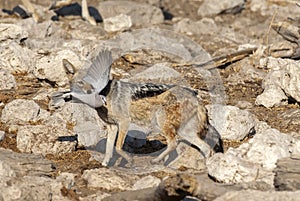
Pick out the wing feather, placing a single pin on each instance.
(99, 71)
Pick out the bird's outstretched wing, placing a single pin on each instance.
(98, 73)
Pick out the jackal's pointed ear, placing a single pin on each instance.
(69, 67)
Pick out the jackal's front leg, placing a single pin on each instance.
(28, 5)
(123, 129)
(111, 138)
(85, 13)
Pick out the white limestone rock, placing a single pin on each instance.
(2, 135)
(190, 27)
(146, 182)
(141, 14)
(254, 160)
(186, 156)
(20, 112)
(109, 179)
(45, 139)
(231, 122)
(120, 22)
(12, 32)
(7, 80)
(31, 188)
(159, 71)
(282, 81)
(50, 67)
(88, 126)
(16, 59)
(214, 7)
(272, 96)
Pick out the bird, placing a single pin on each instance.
(87, 90)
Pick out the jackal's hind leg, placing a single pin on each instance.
(190, 134)
(171, 145)
(111, 138)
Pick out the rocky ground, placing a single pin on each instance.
(241, 57)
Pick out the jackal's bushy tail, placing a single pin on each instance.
(149, 90)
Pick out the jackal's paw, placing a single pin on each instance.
(105, 162)
(155, 161)
(209, 153)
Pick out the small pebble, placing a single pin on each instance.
(2, 135)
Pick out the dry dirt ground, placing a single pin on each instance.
(78, 161)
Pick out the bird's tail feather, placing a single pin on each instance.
(59, 98)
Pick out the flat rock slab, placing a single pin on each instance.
(109, 179)
(253, 195)
(20, 164)
(141, 14)
(287, 174)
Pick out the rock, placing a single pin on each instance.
(16, 59)
(7, 80)
(99, 195)
(67, 179)
(253, 195)
(118, 23)
(269, 146)
(290, 117)
(282, 81)
(272, 96)
(20, 164)
(254, 160)
(45, 139)
(146, 182)
(231, 122)
(273, 64)
(190, 27)
(244, 105)
(160, 71)
(187, 157)
(12, 32)
(215, 7)
(229, 168)
(32, 188)
(51, 68)
(141, 14)
(287, 174)
(20, 112)
(88, 126)
(42, 30)
(136, 137)
(175, 46)
(245, 72)
(290, 80)
(2, 135)
(109, 179)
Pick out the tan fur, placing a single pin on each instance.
(177, 113)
